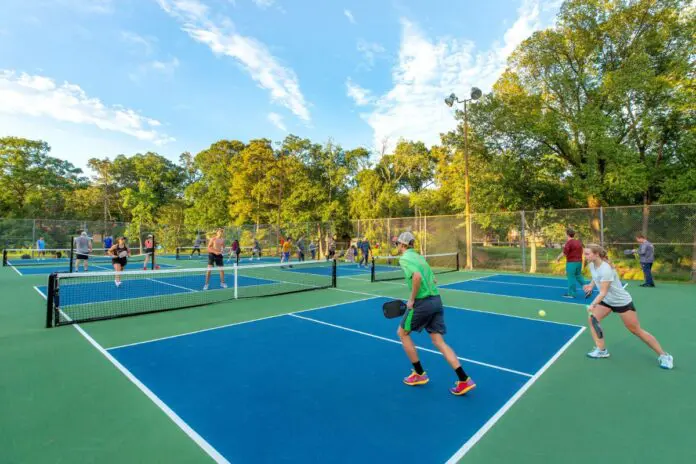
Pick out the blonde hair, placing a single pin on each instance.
(601, 252)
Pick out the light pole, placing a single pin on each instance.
(449, 101)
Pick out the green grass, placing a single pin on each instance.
(63, 401)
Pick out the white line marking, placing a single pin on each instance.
(233, 324)
(200, 441)
(517, 283)
(472, 361)
(15, 269)
(172, 285)
(45, 297)
(470, 309)
(504, 296)
(492, 421)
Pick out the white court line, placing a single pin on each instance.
(492, 421)
(235, 323)
(468, 309)
(200, 441)
(45, 297)
(173, 285)
(471, 361)
(505, 296)
(15, 269)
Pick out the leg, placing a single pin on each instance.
(599, 312)
(630, 320)
(222, 279)
(570, 276)
(578, 275)
(449, 354)
(647, 271)
(409, 346)
(207, 275)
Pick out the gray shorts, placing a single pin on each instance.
(428, 314)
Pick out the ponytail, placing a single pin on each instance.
(601, 252)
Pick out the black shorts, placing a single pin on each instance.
(121, 261)
(81, 256)
(428, 314)
(619, 309)
(215, 259)
(149, 251)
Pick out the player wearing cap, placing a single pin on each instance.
(424, 310)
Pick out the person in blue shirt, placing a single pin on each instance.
(108, 241)
(41, 246)
(365, 248)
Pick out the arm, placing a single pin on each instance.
(588, 288)
(564, 252)
(414, 291)
(210, 245)
(603, 290)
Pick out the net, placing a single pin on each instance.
(28, 257)
(387, 267)
(92, 296)
(246, 253)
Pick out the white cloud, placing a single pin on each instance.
(41, 97)
(166, 67)
(430, 69)
(370, 50)
(264, 3)
(133, 38)
(277, 121)
(349, 15)
(255, 58)
(89, 6)
(360, 95)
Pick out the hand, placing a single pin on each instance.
(587, 289)
(410, 303)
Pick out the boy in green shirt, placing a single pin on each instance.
(424, 311)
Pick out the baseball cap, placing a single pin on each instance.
(406, 238)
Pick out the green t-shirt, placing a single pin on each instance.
(411, 262)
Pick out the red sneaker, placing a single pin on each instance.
(416, 379)
(461, 388)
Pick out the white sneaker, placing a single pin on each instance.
(666, 361)
(223, 285)
(596, 353)
(118, 283)
(205, 287)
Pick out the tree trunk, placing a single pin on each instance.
(646, 214)
(532, 252)
(594, 203)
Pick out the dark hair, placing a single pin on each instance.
(570, 232)
(640, 236)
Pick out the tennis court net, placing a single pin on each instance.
(28, 257)
(102, 261)
(387, 267)
(92, 296)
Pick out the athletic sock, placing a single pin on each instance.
(461, 374)
(418, 368)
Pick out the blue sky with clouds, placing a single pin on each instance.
(103, 77)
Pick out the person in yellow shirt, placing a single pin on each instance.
(287, 247)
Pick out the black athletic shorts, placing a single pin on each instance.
(215, 259)
(121, 261)
(428, 314)
(81, 256)
(619, 309)
(149, 251)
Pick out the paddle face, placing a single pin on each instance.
(394, 309)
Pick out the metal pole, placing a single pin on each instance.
(601, 226)
(523, 243)
(469, 247)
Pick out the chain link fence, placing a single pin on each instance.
(516, 241)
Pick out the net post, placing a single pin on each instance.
(4, 257)
(372, 270)
(152, 258)
(457, 257)
(72, 254)
(178, 250)
(50, 299)
(236, 280)
(334, 268)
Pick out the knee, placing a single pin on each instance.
(634, 328)
(401, 332)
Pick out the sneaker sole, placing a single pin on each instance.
(466, 390)
(413, 384)
(598, 357)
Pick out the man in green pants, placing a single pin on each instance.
(572, 250)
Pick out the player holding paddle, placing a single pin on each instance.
(613, 297)
(424, 311)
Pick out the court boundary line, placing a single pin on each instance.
(45, 297)
(504, 296)
(174, 417)
(15, 269)
(485, 428)
(472, 310)
(233, 324)
(378, 337)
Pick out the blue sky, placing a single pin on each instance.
(98, 78)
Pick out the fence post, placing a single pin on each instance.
(33, 233)
(523, 243)
(601, 226)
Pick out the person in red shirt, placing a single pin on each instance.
(572, 250)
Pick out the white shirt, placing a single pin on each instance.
(617, 295)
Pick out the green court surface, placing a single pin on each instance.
(63, 401)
